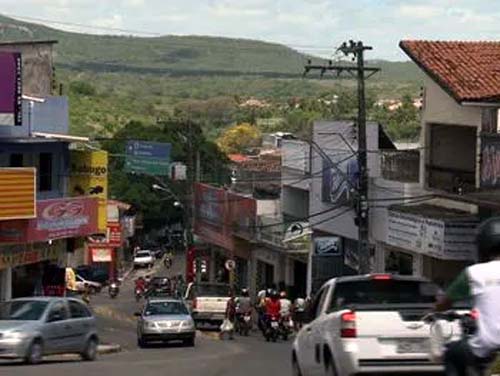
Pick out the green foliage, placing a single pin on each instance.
(82, 88)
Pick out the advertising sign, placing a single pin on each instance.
(56, 219)
(17, 193)
(452, 240)
(29, 255)
(150, 158)
(99, 254)
(327, 246)
(490, 161)
(89, 177)
(114, 234)
(11, 90)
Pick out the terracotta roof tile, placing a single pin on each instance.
(468, 71)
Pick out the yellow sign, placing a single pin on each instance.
(17, 193)
(89, 177)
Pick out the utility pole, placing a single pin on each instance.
(357, 49)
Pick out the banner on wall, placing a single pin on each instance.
(89, 177)
(101, 254)
(11, 89)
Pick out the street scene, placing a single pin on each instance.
(299, 187)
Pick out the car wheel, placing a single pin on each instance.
(295, 366)
(90, 352)
(35, 352)
(189, 342)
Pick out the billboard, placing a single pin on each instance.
(149, 158)
(89, 177)
(56, 219)
(17, 193)
(11, 94)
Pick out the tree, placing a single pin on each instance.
(238, 138)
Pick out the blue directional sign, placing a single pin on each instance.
(151, 158)
(156, 150)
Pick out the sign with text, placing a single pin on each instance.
(11, 90)
(56, 219)
(99, 254)
(89, 177)
(327, 246)
(490, 161)
(18, 193)
(150, 158)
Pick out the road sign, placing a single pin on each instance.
(151, 158)
(230, 265)
(149, 166)
(157, 150)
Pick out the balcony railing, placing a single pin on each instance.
(401, 165)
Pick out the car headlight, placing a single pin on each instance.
(187, 324)
(150, 325)
(13, 336)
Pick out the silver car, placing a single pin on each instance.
(165, 319)
(33, 327)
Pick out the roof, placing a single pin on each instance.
(467, 71)
(238, 158)
(27, 42)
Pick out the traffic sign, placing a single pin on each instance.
(149, 166)
(157, 150)
(230, 265)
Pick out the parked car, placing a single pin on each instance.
(94, 287)
(33, 327)
(96, 273)
(367, 324)
(207, 301)
(163, 320)
(144, 258)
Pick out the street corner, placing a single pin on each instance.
(106, 349)
(110, 313)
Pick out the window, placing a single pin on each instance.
(57, 312)
(45, 172)
(16, 160)
(78, 310)
(319, 301)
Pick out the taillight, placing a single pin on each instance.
(348, 325)
(382, 277)
(474, 314)
(195, 303)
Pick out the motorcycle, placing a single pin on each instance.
(168, 262)
(113, 290)
(272, 329)
(244, 322)
(138, 293)
(451, 326)
(286, 327)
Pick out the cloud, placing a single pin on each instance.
(419, 11)
(115, 21)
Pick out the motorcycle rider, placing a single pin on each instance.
(299, 312)
(481, 284)
(286, 305)
(243, 306)
(273, 306)
(140, 284)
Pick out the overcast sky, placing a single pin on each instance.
(308, 25)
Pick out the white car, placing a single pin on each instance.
(367, 324)
(94, 287)
(144, 258)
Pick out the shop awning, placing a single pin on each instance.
(60, 137)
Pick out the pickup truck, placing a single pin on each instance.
(367, 324)
(207, 302)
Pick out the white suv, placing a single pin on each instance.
(144, 258)
(367, 324)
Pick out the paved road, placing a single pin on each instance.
(211, 357)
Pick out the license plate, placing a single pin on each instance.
(413, 346)
(274, 325)
(218, 317)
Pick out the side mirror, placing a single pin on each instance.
(137, 314)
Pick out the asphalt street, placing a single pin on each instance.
(242, 357)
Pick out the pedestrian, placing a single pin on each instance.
(230, 317)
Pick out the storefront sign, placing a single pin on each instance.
(449, 240)
(13, 258)
(56, 219)
(327, 246)
(17, 193)
(101, 254)
(114, 234)
(490, 161)
(89, 177)
(11, 89)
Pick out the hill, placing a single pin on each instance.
(177, 55)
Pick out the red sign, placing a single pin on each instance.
(56, 219)
(114, 234)
(101, 254)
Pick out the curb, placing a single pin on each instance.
(108, 349)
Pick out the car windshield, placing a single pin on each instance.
(143, 254)
(165, 308)
(212, 290)
(22, 310)
(376, 292)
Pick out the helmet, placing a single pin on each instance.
(283, 294)
(488, 239)
(274, 294)
(244, 292)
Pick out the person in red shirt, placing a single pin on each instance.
(140, 284)
(273, 305)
